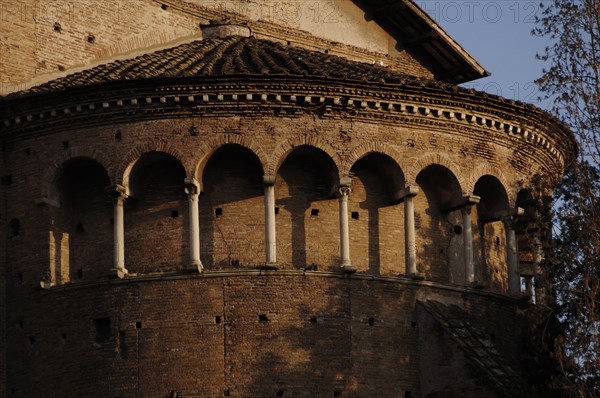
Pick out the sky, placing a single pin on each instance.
(498, 35)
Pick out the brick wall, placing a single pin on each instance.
(239, 336)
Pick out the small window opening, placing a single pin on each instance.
(15, 226)
(174, 213)
(280, 393)
(277, 210)
(65, 144)
(314, 212)
(218, 212)
(6, 180)
(262, 318)
(218, 320)
(355, 215)
(313, 319)
(102, 326)
(138, 325)
(458, 229)
(118, 135)
(497, 241)
(91, 38)
(371, 321)
(57, 27)
(79, 227)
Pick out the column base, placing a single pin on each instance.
(477, 285)
(195, 266)
(46, 284)
(417, 276)
(118, 273)
(348, 269)
(269, 267)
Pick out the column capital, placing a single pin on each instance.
(470, 200)
(118, 191)
(509, 215)
(345, 181)
(408, 191)
(269, 179)
(191, 186)
(344, 192)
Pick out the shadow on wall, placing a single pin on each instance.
(308, 219)
(439, 241)
(232, 209)
(155, 230)
(317, 340)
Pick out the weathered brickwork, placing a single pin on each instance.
(181, 230)
(242, 335)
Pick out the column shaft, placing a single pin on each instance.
(192, 189)
(270, 231)
(514, 282)
(344, 231)
(119, 233)
(410, 245)
(468, 244)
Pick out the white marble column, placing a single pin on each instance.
(270, 228)
(468, 237)
(119, 194)
(410, 242)
(192, 189)
(514, 279)
(345, 262)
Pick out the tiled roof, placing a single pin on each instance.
(481, 351)
(234, 55)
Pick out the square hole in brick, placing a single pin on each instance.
(355, 215)
(280, 393)
(138, 325)
(371, 321)
(218, 319)
(313, 319)
(65, 144)
(226, 393)
(263, 318)
(277, 210)
(174, 213)
(407, 394)
(218, 212)
(337, 393)
(102, 327)
(80, 273)
(79, 227)
(314, 212)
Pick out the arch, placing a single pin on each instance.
(231, 208)
(494, 197)
(435, 159)
(80, 232)
(488, 169)
(52, 172)
(284, 149)
(123, 172)
(377, 227)
(213, 144)
(368, 148)
(155, 224)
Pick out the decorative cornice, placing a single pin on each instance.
(289, 97)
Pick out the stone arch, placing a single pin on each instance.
(368, 148)
(214, 143)
(124, 170)
(488, 169)
(283, 150)
(48, 186)
(435, 159)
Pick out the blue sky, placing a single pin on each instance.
(498, 35)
